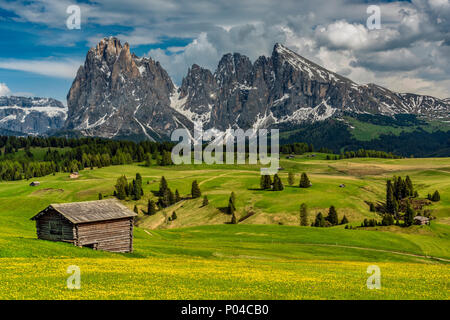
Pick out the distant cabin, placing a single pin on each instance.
(421, 220)
(35, 184)
(100, 225)
(74, 175)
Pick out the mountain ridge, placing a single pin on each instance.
(119, 95)
(31, 115)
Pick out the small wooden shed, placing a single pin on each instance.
(421, 220)
(34, 184)
(74, 175)
(100, 225)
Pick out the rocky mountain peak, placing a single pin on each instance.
(31, 115)
(117, 94)
(108, 47)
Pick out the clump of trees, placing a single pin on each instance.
(277, 184)
(362, 153)
(68, 155)
(123, 189)
(399, 197)
(435, 197)
(304, 181)
(369, 223)
(330, 220)
(151, 207)
(397, 190)
(296, 148)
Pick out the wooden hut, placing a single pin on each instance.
(421, 220)
(74, 175)
(34, 184)
(100, 225)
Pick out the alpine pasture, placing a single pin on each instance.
(267, 255)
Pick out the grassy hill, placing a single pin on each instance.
(267, 255)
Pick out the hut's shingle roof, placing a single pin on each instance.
(90, 211)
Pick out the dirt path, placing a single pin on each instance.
(212, 178)
(378, 250)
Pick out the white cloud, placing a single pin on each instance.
(414, 39)
(344, 35)
(199, 51)
(53, 68)
(4, 90)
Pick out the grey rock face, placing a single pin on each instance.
(34, 116)
(117, 94)
(289, 89)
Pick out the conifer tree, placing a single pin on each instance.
(436, 196)
(277, 184)
(205, 201)
(409, 186)
(135, 190)
(171, 197)
(344, 220)
(389, 197)
(266, 182)
(233, 218)
(121, 188)
(135, 209)
(387, 220)
(332, 217)
(177, 196)
(139, 184)
(148, 160)
(409, 215)
(304, 181)
(151, 207)
(162, 186)
(174, 216)
(372, 207)
(100, 196)
(164, 200)
(232, 203)
(320, 220)
(291, 178)
(195, 191)
(303, 214)
(233, 198)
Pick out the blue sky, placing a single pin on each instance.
(409, 53)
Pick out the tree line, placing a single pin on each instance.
(266, 182)
(69, 155)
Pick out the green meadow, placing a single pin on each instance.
(267, 255)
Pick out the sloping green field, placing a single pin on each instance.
(267, 256)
